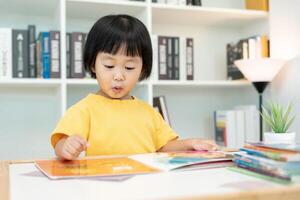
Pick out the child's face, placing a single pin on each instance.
(117, 74)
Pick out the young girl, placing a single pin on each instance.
(118, 53)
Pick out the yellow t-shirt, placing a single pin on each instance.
(115, 126)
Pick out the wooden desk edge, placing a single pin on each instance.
(286, 193)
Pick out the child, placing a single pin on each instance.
(118, 53)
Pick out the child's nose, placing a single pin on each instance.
(119, 76)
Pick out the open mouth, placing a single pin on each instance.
(117, 89)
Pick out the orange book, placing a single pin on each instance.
(132, 165)
(257, 5)
(56, 169)
(264, 46)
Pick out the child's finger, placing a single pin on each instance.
(81, 141)
(204, 146)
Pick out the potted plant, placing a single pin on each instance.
(279, 119)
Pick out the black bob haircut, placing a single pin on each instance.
(112, 32)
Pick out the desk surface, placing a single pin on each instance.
(24, 181)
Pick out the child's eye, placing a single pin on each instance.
(109, 66)
(129, 68)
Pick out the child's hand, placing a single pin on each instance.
(70, 147)
(199, 144)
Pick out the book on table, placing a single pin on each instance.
(134, 164)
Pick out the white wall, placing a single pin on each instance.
(285, 43)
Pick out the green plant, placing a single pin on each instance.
(278, 118)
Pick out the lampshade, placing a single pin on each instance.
(260, 69)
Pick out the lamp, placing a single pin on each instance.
(260, 72)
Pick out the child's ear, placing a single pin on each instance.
(93, 70)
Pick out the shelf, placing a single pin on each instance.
(90, 82)
(27, 82)
(237, 83)
(192, 15)
(94, 9)
(29, 7)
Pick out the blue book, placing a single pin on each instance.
(44, 38)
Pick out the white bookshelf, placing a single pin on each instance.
(30, 108)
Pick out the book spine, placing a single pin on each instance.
(189, 59)
(76, 55)
(45, 54)
(68, 55)
(39, 70)
(170, 66)
(55, 54)
(162, 58)
(176, 58)
(220, 127)
(5, 53)
(20, 53)
(164, 110)
(32, 51)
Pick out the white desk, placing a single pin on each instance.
(26, 182)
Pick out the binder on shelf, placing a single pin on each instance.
(170, 69)
(176, 58)
(77, 45)
(32, 51)
(159, 103)
(189, 59)
(68, 54)
(44, 42)
(20, 53)
(162, 58)
(55, 54)
(5, 53)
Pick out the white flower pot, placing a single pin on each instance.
(282, 138)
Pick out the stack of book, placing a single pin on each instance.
(247, 48)
(277, 161)
(235, 127)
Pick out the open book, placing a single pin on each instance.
(132, 165)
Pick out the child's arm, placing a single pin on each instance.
(189, 144)
(70, 147)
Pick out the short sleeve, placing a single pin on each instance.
(74, 122)
(164, 133)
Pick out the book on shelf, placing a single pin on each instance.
(32, 51)
(257, 5)
(175, 57)
(20, 53)
(68, 54)
(54, 54)
(247, 48)
(189, 59)
(5, 53)
(235, 127)
(133, 165)
(159, 103)
(44, 54)
(76, 50)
